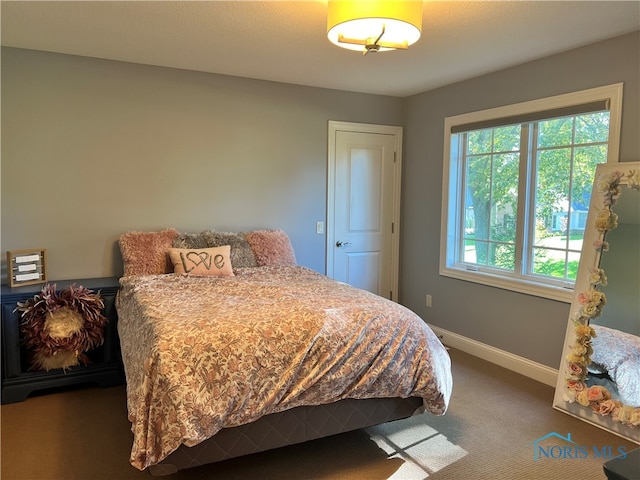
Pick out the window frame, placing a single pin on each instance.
(452, 178)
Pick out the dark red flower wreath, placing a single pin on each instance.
(59, 327)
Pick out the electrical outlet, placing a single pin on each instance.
(319, 227)
(429, 300)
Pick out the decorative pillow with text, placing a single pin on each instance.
(241, 252)
(202, 261)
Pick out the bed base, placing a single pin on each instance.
(287, 428)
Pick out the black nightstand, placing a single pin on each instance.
(627, 468)
(105, 368)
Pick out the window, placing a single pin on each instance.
(517, 186)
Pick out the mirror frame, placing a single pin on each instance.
(572, 395)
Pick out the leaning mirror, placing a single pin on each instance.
(599, 375)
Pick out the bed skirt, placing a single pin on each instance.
(287, 428)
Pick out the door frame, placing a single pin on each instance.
(396, 131)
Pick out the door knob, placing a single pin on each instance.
(342, 244)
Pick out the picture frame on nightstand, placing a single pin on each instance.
(26, 267)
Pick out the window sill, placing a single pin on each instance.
(528, 287)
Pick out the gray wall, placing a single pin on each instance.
(93, 148)
(528, 326)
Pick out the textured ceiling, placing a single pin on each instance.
(285, 41)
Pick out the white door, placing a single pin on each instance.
(363, 206)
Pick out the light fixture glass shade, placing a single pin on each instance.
(371, 25)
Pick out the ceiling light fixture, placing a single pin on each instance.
(372, 25)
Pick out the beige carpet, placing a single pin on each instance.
(488, 433)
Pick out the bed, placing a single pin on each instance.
(261, 353)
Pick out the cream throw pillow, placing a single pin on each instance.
(202, 261)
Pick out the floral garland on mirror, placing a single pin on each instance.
(58, 327)
(597, 397)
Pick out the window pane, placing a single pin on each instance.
(592, 128)
(478, 191)
(479, 142)
(504, 197)
(584, 170)
(507, 139)
(503, 256)
(554, 263)
(573, 261)
(564, 178)
(469, 254)
(555, 132)
(549, 262)
(551, 194)
(491, 196)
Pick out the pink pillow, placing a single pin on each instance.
(271, 247)
(202, 261)
(145, 253)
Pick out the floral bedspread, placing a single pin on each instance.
(618, 354)
(206, 353)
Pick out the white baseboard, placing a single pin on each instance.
(521, 365)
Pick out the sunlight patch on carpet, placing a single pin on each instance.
(423, 449)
